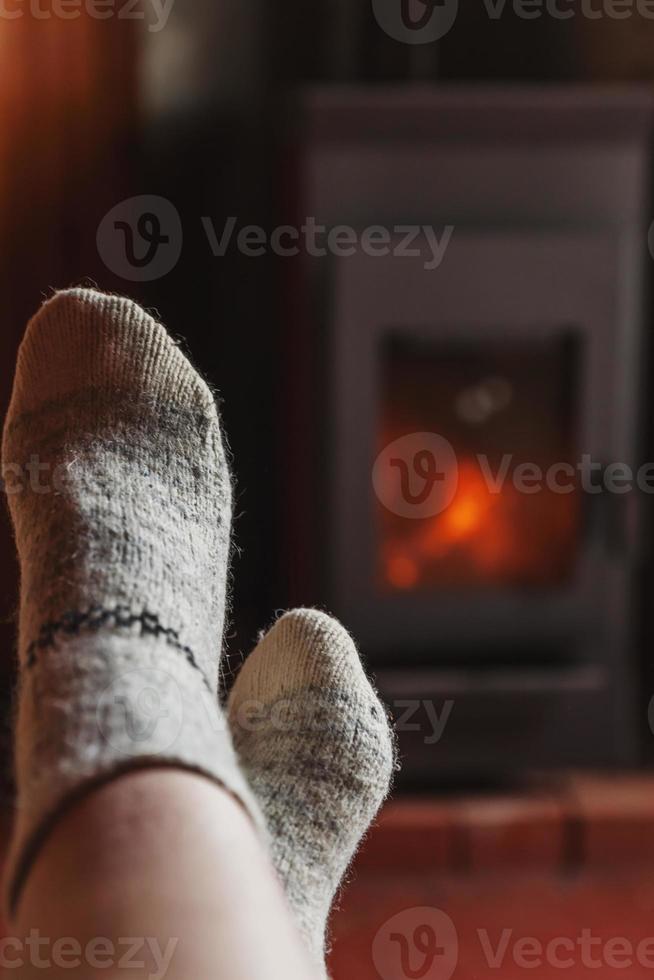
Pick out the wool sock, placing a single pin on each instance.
(316, 746)
(120, 496)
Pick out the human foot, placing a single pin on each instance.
(315, 744)
(123, 540)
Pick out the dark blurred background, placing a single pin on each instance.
(211, 113)
(532, 139)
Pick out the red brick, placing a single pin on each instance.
(410, 835)
(511, 832)
(614, 818)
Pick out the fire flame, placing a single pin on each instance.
(483, 537)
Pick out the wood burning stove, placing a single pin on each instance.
(474, 409)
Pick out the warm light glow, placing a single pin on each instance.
(484, 536)
(402, 572)
(470, 505)
(464, 516)
(497, 404)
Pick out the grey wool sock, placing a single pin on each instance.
(120, 496)
(315, 743)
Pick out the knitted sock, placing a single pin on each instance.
(316, 746)
(120, 497)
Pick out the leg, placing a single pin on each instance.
(120, 496)
(316, 745)
(172, 862)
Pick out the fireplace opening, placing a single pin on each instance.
(508, 410)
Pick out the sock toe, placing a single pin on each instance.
(306, 648)
(118, 347)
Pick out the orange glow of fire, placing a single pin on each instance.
(484, 535)
(402, 572)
